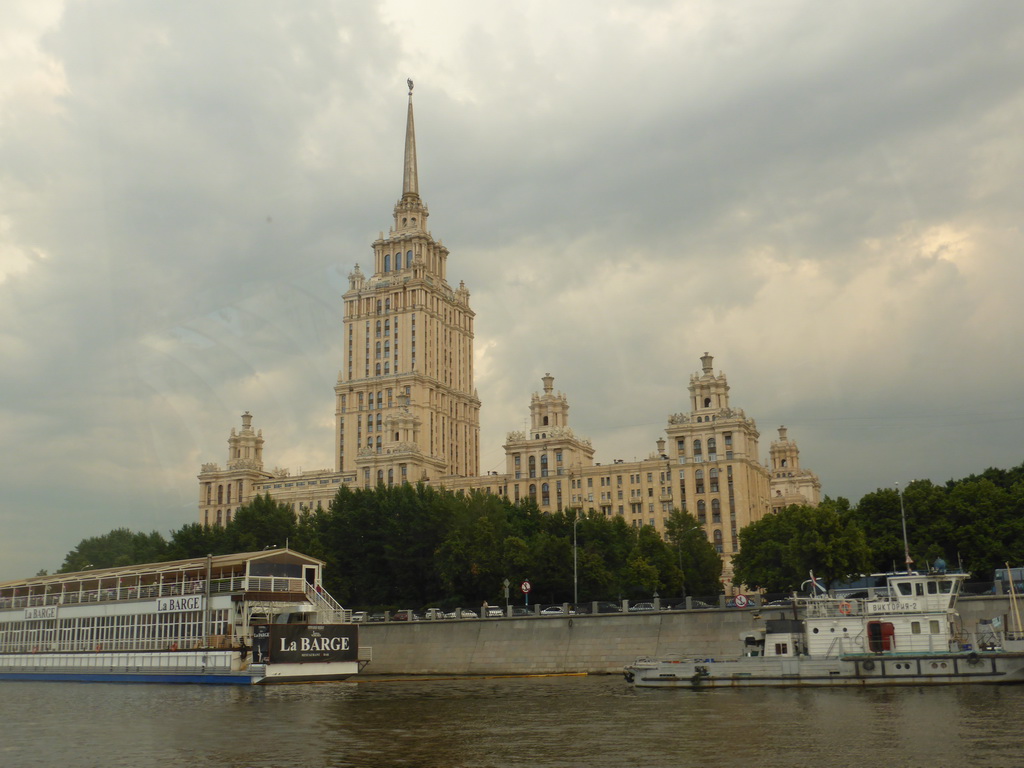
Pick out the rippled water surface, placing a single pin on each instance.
(538, 722)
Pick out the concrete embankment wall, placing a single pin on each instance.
(594, 644)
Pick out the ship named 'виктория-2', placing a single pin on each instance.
(251, 618)
(906, 633)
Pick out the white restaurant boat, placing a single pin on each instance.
(907, 633)
(251, 618)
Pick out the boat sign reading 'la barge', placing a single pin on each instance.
(304, 643)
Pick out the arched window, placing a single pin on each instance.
(707, 402)
(387, 305)
(716, 511)
(228, 500)
(378, 329)
(697, 450)
(533, 466)
(533, 492)
(711, 445)
(702, 507)
(391, 477)
(408, 258)
(380, 416)
(380, 475)
(545, 494)
(378, 350)
(387, 368)
(387, 263)
(544, 465)
(398, 260)
(387, 327)
(718, 542)
(378, 444)
(220, 495)
(378, 369)
(545, 421)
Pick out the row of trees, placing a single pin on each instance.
(976, 524)
(415, 545)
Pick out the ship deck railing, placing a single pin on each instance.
(272, 584)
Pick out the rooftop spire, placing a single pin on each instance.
(410, 179)
(410, 212)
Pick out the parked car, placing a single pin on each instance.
(465, 613)
(641, 607)
(375, 617)
(553, 610)
(359, 616)
(606, 606)
(519, 610)
(405, 616)
(495, 611)
(433, 613)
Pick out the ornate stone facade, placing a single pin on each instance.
(406, 410)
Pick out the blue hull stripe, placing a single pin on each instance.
(82, 677)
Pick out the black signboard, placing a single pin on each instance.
(301, 643)
(260, 643)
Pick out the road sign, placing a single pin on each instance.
(741, 601)
(525, 586)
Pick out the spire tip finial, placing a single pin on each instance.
(409, 81)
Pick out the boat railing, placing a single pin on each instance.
(150, 591)
(58, 645)
(329, 608)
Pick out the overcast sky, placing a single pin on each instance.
(827, 197)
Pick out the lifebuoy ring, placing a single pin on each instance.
(174, 646)
(973, 659)
(845, 608)
(868, 665)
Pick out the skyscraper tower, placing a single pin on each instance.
(406, 405)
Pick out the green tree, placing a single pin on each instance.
(700, 564)
(116, 548)
(779, 551)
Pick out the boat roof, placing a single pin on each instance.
(282, 555)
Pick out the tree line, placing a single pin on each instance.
(975, 524)
(417, 546)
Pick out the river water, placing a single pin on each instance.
(541, 722)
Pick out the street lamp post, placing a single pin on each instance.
(575, 570)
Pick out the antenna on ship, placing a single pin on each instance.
(903, 517)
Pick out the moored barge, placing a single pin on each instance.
(242, 619)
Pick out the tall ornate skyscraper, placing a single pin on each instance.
(406, 406)
(406, 410)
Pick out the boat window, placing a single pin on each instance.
(945, 587)
(904, 588)
(933, 626)
(915, 627)
(933, 588)
(920, 588)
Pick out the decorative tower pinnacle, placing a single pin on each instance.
(410, 212)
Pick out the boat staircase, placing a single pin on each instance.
(328, 609)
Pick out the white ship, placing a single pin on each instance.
(251, 618)
(907, 633)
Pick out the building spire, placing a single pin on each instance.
(410, 212)
(410, 179)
